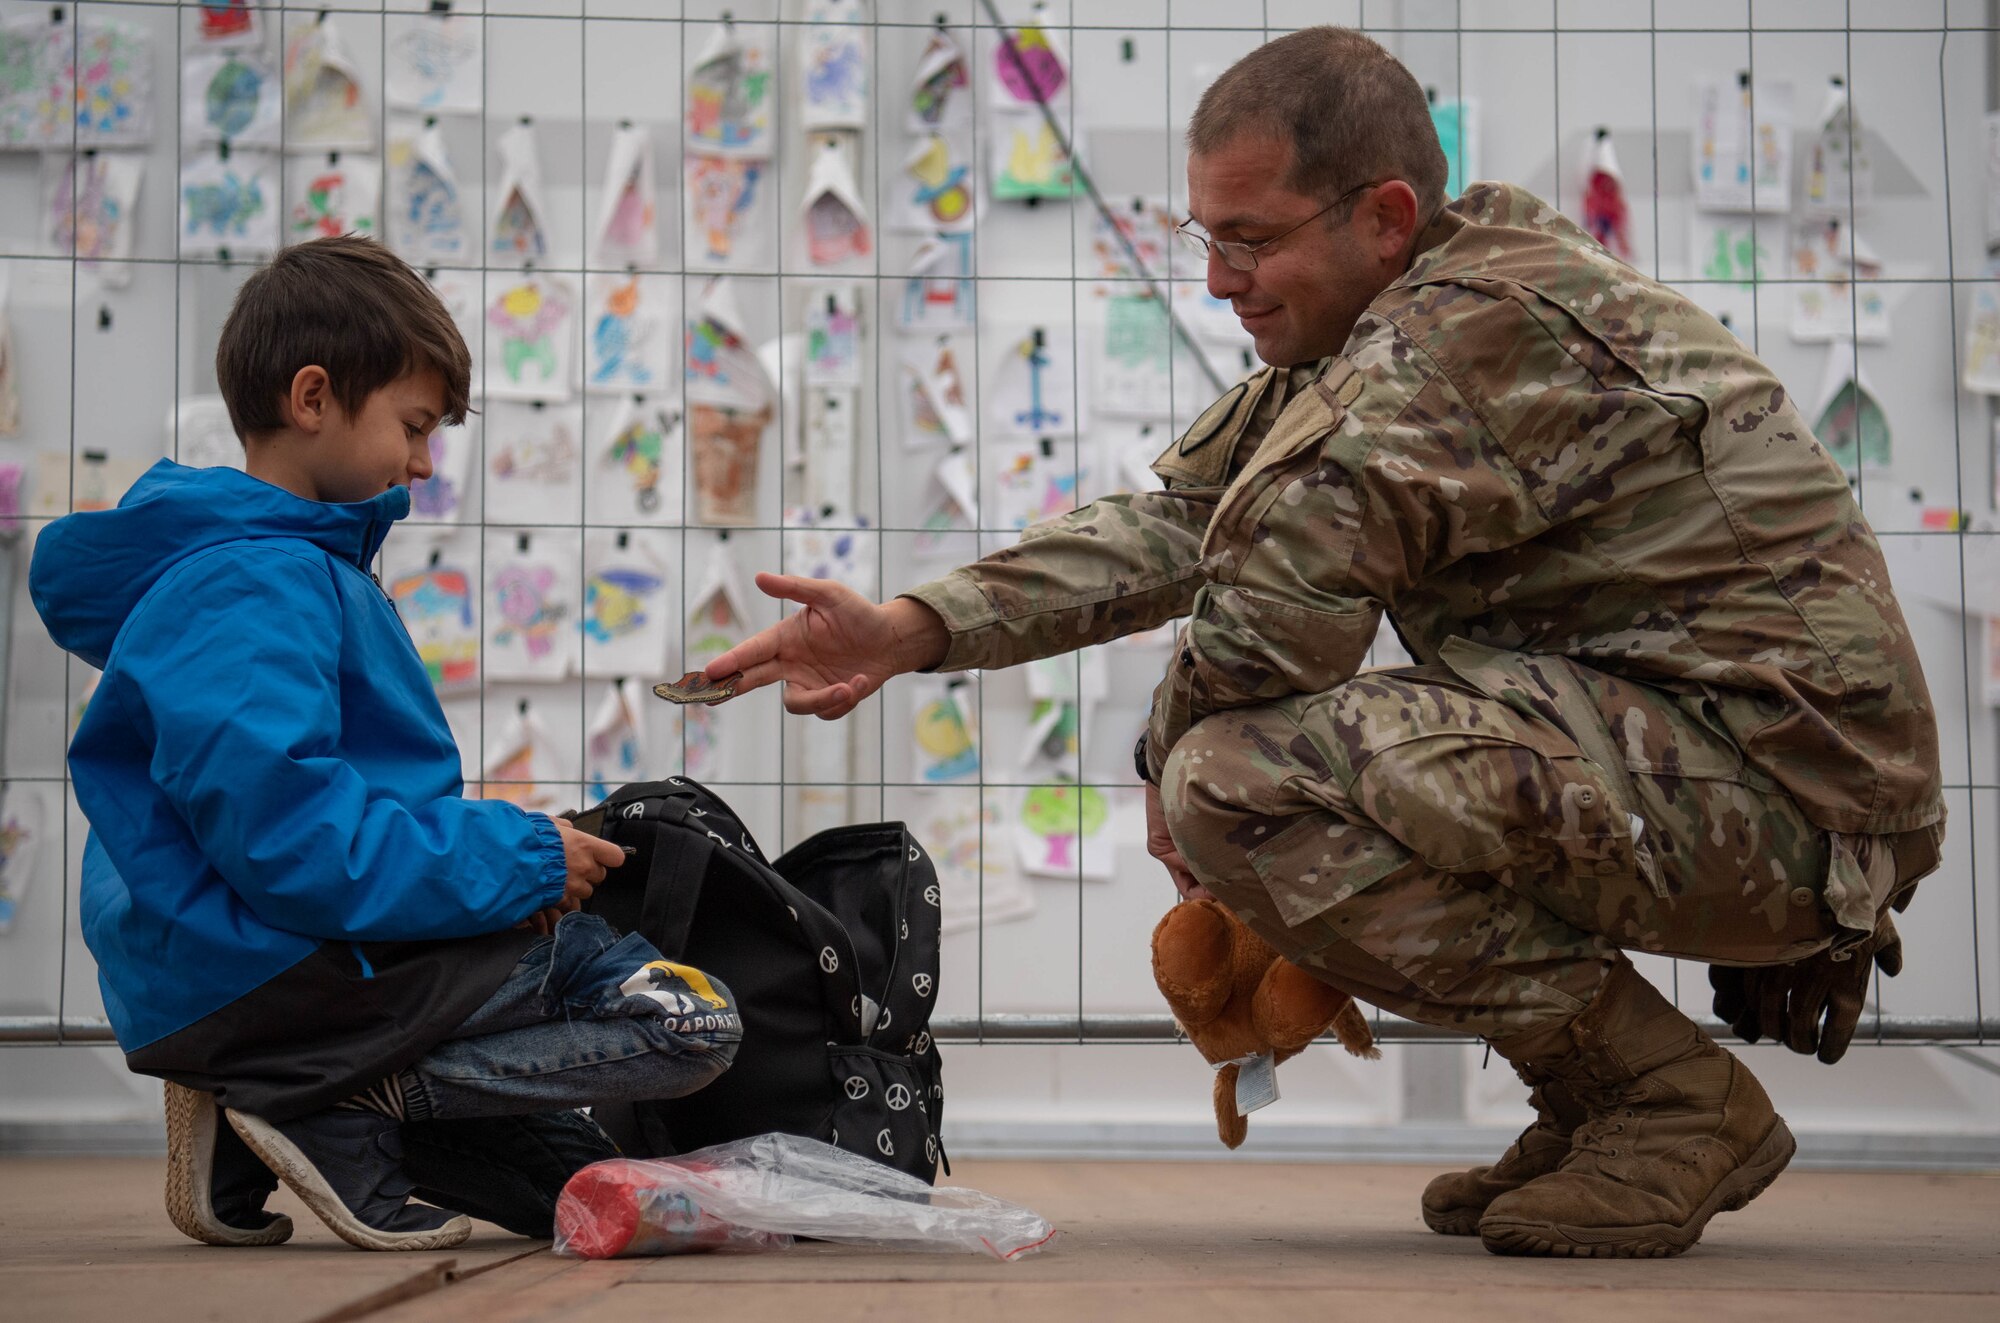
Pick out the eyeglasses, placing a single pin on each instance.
(1243, 256)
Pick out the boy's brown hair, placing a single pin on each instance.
(346, 304)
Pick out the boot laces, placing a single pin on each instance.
(1610, 1112)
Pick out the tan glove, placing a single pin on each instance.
(1811, 1005)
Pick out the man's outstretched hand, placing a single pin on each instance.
(837, 649)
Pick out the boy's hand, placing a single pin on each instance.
(586, 858)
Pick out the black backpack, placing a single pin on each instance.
(831, 954)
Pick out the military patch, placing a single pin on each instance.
(1203, 430)
(1196, 459)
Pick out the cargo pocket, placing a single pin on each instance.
(1322, 875)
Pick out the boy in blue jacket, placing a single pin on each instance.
(297, 916)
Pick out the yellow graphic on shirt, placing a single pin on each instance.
(694, 978)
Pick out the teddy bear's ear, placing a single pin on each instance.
(1191, 960)
(1230, 1124)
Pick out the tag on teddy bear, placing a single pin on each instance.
(1256, 1083)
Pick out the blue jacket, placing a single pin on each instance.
(264, 764)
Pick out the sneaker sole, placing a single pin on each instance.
(190, 1160)
(1656, 1240)
(296, 1170)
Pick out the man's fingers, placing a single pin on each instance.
(829, 703)
(605, 853)
(803, 702)
(1727, 982)
(797, 588)
(753, 656)
(1843, 1013)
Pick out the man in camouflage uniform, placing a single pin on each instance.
(1665, 699)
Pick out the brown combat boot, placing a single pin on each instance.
(1677, 1130)
(1454, 1202)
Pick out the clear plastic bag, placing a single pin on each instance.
(759, 1193)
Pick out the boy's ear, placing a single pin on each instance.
(311, 401)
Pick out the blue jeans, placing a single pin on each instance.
(586, 1017)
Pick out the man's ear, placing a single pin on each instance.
(1392, 207)
(310, 402)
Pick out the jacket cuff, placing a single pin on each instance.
(555, 864)
(965, 611)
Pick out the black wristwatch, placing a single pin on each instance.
(1139, 758)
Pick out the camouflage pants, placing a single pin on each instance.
(1476, 854)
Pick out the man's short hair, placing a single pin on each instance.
(1351, 112)
(348, 305)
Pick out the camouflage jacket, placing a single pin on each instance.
(1525, 447)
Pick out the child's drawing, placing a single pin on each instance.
(521, 767)
(1848, 418)
(939, 293)
(433, 63)
(439, 607)
(1839, 175)
(726, 446)
(1028, 161)
(329, 199)
(937, 192)
(1834, 297)
(518, 232)
(1028, 67)
(933, 399)
(629, 333)
(935, 99)
(426, 214)
(717, 620)
(729, 97)
(229, 204)
(1059, 831)
(530, 607)
(636, 475)
(833, 336)
(529, 334)
(721, 367)
(59, 93)
(616, 748)
(88, 208)
(534, 463)
(836, 66)
(233, 96)
(1742, 155)
(441, 498)
(627, 602)
(722, 195)
(626, 232)
(944, 727)
(1035, 391)
(324, 106)
(229, 23)
(23, 814)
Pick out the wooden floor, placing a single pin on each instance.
(84, 1239)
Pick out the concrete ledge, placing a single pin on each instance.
(1415, 1143)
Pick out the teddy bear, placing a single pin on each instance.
(1235, 997)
